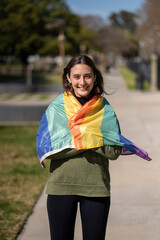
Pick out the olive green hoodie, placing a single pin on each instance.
(84, 172)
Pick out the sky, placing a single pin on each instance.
(103, 8)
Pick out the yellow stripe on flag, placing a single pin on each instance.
(71, 106)
(90, 128)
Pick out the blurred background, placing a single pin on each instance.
(37, 39)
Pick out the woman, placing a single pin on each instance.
(83, 136)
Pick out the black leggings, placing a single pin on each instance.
(62, 214)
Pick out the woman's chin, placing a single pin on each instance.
(83, 94)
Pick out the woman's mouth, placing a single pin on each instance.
(83, 88)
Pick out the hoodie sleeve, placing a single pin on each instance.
(109, 152)
(69, 152)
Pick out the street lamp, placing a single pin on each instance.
(61, 41)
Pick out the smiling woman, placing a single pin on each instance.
(80, 133)
(79, 170)
(82, 80)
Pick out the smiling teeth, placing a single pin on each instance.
(82, 88)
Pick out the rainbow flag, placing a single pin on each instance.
(68, 124)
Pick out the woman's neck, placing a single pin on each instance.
(83, 100)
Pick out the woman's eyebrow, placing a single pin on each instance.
(86, 74)
(76, 75)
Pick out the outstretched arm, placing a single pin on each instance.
(109, 152)
(69, 152)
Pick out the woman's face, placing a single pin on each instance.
(82, 79)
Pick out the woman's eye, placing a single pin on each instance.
(88, 77)
(76, 77)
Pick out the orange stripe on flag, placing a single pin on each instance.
(90, 128)
(71, 106)
(76, 121)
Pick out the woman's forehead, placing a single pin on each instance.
(81, 68)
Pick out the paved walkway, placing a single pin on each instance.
(24, 107)
(135, 211)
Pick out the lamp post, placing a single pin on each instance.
(154, 58)
(154, 71)
(61, 41)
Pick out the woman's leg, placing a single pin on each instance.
(62, 213)
(94, 215)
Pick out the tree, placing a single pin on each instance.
(89, 31)
(149, 28)
(119, 37)
(124, 19)
(28, 27)
(92, 22)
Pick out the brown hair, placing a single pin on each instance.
(83, 59)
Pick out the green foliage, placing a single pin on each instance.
(130, 48)
(125, 22)
(30, 27)
(49, 47)
(124, 19)
(88, 37)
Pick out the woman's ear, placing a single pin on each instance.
(68, 78)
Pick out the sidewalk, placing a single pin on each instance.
(135, 212)
(24, 107)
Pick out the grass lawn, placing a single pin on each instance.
(130, 79)
(21, 177)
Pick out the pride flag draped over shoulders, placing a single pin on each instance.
(68, 124)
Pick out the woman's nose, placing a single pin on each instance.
(82, 80)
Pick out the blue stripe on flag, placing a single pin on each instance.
(43, 138)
